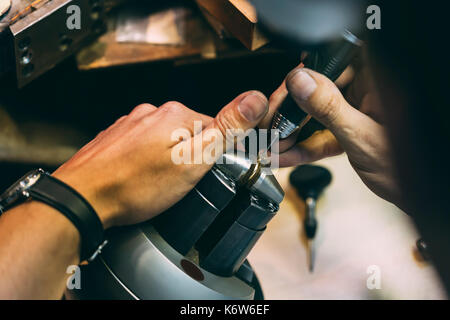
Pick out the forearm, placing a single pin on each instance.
(37, 244)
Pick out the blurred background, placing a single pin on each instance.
(185, 59)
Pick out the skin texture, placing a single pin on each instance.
(37, 245)
(128, 176)
(353, 126)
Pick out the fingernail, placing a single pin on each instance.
(253, 106)
(301, 85)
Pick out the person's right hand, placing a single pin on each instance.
(357, 132)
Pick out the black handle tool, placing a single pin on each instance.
(310, 181)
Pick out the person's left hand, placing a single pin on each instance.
(354, 125)
(127, 172)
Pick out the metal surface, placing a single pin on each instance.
(234, 166)
(139, 264)
(185, 222)
(195, 249)
(257, 212)
(19, 189)
(42, 39)
(230, 251)
(240, 168)
(267, 186)
(285, 126)
(225, 245)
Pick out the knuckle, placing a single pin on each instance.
(121, 119)
(139, 110)
(228, 127)
(173, 107)
(147, 120)
(224, 122)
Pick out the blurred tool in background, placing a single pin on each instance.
(310, 23)
(310, 181)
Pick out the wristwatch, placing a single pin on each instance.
(41, 186)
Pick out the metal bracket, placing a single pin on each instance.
(42, 38)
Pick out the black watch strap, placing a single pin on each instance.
(68, 201)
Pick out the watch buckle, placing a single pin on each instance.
(98, 251)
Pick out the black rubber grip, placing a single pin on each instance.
(339, 61)
(310, 228)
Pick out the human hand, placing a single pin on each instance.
(127, 172)
(357, 132)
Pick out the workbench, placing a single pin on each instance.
(356, 230)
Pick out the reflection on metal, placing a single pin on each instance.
(241, 169)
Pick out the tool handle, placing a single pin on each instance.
(291, 111)
(339, 61)
(310, 226)
(332, 68)
(310, 222)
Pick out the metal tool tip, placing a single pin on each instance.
(311, 255)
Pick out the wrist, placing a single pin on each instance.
(38, 215)
(92, 193)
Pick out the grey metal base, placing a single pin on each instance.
(139, 264)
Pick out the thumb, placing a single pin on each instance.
(229, 127)
(354, 130)
(240, 115)
(318, 96)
